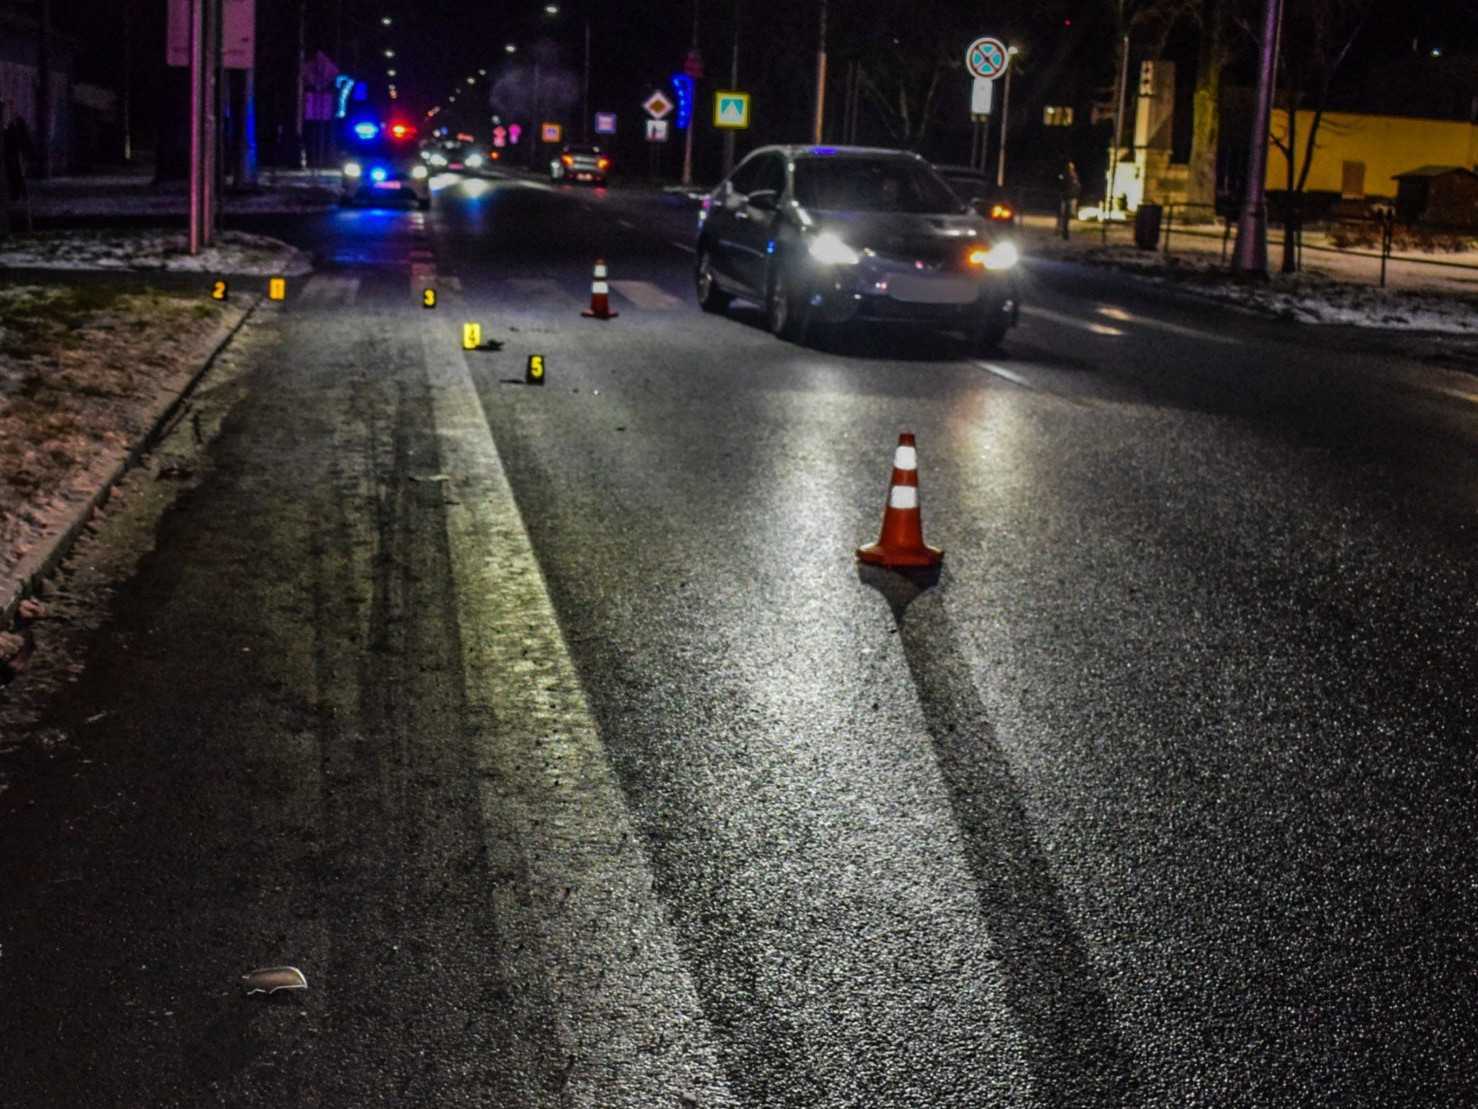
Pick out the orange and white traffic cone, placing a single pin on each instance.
(600, 295)
(901, 545)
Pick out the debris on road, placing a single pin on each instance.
(269, 980)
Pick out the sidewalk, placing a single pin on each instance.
(1426, 293)
(131, 191)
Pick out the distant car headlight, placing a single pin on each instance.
(438, 159)
(352, 169)
(1002, 256)
(828, 249)
(420, 173)
(473, 161)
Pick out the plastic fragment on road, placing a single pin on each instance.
(269, 980)
(901, 544)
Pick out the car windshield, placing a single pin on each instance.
(871, 185)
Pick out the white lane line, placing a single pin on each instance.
(1114, 312)
(1072, 321)
(571, 887)
(1001, 371)
(626, 223)
(646, 295)
(686, 247)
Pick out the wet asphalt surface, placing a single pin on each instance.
(1161, 795)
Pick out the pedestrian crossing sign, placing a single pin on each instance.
(731, 110)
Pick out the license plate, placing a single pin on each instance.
(913, 289)
(387, 184)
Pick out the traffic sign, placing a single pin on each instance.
(982, 93)
(551, 132)
(605, 123)
(657, 105)
(656, 130)
(987, 57)
(731, 110)
(693, 64)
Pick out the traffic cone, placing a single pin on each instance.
(600, 295)
(901, 545)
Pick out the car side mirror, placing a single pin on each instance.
(766, 200)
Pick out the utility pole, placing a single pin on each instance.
(302, 148)
(820, 80)
(1118, 130)
(197, 124)
(126, 106)
(44, 106)
(692, 114)
(729, 135)
(585, 95)
(1251, 254)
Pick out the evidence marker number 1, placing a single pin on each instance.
(277, 288)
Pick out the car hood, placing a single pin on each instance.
(903, 232)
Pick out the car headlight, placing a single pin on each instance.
(419, 172)
(352, 169)
(473, 161)
(1002, 256)
(438, 159)
(828, 249)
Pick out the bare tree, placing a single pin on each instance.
(1317, 37)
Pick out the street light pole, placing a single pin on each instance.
(820, 80)
(585, 96)
(1251, 255)
(692, 115)
(729, 135)
(1005, 119)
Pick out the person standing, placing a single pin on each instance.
(1070, 188)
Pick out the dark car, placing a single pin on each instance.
(385, 166)
(978, 190)
(581, 162)
(831, 235)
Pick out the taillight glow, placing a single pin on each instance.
(402, 131)
(603, 163)
(566, 159)
(1002, 212)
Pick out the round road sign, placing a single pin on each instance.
(987, 57)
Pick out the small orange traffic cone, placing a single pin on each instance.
(600, 295)
(901, 545)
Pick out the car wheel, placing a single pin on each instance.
(423, 203)
(785, 318)
(710, 297)
(986, 336)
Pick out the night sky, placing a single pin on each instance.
(638, 44)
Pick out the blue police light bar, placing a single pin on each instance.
(365, 130)
(377, 174)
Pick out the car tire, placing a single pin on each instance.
(987, 335)
(784, 316)
(423, 203)
(710, 297)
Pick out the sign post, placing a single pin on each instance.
(986, 58)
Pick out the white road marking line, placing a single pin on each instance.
(571, 886)
(626, 223)
(1071, 321)
(686, 247)
(646, 295)
(1001, 371)
(1114, 312)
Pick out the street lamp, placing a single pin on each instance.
(551, 9)
(509, 48)
(389, 53)
(1011, 52)
(385, 21)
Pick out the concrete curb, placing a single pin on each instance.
(42, 562)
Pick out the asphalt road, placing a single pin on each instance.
(557, 737)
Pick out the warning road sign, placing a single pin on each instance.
(987, 57)
(731, 110)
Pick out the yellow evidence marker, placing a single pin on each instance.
(471, 336)
(428, 298)
(534, 375)
(218, 290)
(276, 288)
